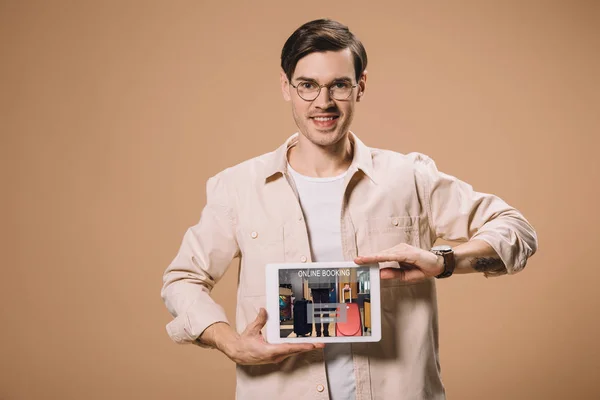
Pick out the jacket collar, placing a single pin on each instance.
(361, 159)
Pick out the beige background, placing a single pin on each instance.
(113, 115)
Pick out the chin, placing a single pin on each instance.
(325, 138)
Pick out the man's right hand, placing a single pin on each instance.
(250, 348)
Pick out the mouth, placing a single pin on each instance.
(325, 121)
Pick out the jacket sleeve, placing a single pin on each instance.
(458, 213)
(206, 252)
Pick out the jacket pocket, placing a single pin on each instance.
(259, 245)
(386, 232)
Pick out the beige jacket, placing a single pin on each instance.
(253, 212)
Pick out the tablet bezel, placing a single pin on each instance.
(272, 303)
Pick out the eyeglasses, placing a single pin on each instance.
(310, 90)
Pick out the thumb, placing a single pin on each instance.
(258, 323)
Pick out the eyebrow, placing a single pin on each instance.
(338, 79)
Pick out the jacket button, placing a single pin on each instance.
(254, 235)
(395, 221)
(303, 258)
(320, 387)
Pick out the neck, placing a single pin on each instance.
(310, 159)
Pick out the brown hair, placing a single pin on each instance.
(318, 36)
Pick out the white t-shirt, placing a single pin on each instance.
(321, 202)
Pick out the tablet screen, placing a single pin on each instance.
(324, 302)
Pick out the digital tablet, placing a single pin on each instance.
(325, 302)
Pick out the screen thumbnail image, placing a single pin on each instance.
(324, 302)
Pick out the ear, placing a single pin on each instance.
(285, 87)
(362, 84)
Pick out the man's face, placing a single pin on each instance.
(324, 120)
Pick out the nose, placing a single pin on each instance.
(324, 99)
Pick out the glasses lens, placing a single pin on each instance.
(308, 90)
(341, 90)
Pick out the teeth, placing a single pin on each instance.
(323, 118)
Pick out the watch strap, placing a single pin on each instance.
(449, 263)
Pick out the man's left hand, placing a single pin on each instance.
(415, 263)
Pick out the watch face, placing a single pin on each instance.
(442, 248)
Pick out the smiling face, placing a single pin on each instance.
(324, 121)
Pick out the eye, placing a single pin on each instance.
(342, 85)
(308, 85)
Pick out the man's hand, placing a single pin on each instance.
(415, 263)
(250, 348)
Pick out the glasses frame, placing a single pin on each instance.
(328, 86)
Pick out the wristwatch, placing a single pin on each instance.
(449, 262)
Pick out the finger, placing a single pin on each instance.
(278, 350)
(370, 258)
(264, 353)
(260, 321)
(299, 347)
(408, 256)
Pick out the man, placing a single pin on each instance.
(326, 196)
(320, 287)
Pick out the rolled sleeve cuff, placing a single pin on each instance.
(513, 257)
(186, 328)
